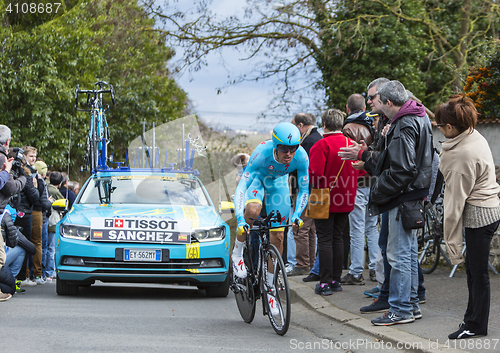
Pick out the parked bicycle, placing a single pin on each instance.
(98, 137)
(248, 290)
(430, 238)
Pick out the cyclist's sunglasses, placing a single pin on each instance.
(285, 148)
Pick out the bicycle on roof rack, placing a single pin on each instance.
(98, 137)
(248, 290)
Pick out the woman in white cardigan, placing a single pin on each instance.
(470, 201)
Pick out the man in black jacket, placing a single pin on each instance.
(403, 174)
(305, 237)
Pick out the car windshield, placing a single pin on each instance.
(144, 189)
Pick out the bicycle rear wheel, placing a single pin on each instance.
(279, 290)
(245, 293)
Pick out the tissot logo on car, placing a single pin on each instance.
(140, 229)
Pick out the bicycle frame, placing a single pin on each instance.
(98, 138)
(256, 286)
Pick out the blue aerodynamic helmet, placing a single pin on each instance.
(286, 134)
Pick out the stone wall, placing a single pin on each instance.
(491, 132)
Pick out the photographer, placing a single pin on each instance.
(11, 186)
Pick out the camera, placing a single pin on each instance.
(18, 154)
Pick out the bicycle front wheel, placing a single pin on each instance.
(429, 244)
(245, 293)
(278, 291)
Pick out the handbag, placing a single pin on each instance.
(318, 206)
(412, 214)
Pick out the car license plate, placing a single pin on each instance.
(146, 255)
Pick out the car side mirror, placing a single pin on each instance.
(226, 207)
(60, 205)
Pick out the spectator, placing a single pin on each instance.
(16, 248)
(23, 203)
(5, 283)
(240, 162)
(75, 186)
(10, 186)
(37, 215)
(44, 206)
(66, 192)
(403, 174)
(56, 179)
(305, 237)
(470, 201)
(359, 127)
(327, 170)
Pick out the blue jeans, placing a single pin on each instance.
(361, 225)
(15, 258)
(50, 270)
(402, 255)
(382, 242)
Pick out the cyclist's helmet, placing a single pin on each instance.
(286, 134)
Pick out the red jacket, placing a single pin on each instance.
(324, 166)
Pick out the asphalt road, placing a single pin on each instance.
(160, 318)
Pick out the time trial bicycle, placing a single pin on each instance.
(258, 261)
(98, 137)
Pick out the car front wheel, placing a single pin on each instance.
(64, 288)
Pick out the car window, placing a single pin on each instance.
(144, 190)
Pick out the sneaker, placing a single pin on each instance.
(323, 289)
(463, 333)
(39, 280)
(417, 314)
(335, 286)
(351, 279)
(373, 276)
(273, 305)
(5, 296)
(18, 287)
(389, 319)
(297, 271)
(311, 277)
(239, 267)
(374, 292)
(288, 268)
(28, 283)
(378, 305)
(421, 299)
(47, 280)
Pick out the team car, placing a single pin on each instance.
(143, 226)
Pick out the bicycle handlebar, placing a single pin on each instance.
(265, 224)
(94, 92)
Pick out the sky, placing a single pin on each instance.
(238, 106)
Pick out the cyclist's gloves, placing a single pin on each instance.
(242, 228)
(298, 222)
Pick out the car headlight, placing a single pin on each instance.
(209, 234)
(74, 232)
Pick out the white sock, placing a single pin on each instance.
(270, 277)
(238, 248)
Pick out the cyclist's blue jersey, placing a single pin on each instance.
(264, 174)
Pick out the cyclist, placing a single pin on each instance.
(267, 171)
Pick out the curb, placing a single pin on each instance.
(306, 296)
